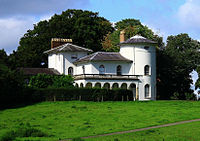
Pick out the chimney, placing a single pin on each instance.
(122, 36)
(58, 41)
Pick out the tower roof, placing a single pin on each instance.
(138, 39)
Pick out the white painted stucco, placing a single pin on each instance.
(139, 54)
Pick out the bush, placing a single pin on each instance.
(62, 81)
(54, 81)
(41, 81)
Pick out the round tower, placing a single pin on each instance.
(143, 54)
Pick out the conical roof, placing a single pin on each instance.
(138, 39)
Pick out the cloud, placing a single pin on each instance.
(188, 14)
(37, 7)
(18, 16)
(11, 30)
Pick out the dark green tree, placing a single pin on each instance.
(127, 22)
(131, 27)
(11, 85)
(174, 65)
(3, 56)
(85, 28)
(53, 81)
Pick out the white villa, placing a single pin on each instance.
(134, 67)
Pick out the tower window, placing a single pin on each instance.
(146, 91)
(146, 70)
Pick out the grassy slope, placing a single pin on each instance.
(75, 119)
(183, 132)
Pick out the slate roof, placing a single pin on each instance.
(68, 48)
(138, 39)
(102, 56)
(35, 71)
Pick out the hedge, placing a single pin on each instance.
(34, 95)
(84, 94)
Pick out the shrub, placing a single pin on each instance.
(62, 81)
(54, 81)
(84, 94)
(41, 81)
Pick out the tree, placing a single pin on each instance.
(85, 28)
(174, 65)
(11, 85)
(127, 22)
(3, 56)
(131, 27)
(53, 81)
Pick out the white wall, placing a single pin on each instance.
(63, 60)
(141, 57)
(88, 68)
(111, 67)
(56, 61)
(68, 61)
(136, 53)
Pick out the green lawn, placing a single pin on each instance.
(183, 132)
(76, 119)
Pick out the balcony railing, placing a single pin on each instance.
(106, 76)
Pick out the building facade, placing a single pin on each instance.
(134, 67)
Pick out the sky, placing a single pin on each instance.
(164, 17)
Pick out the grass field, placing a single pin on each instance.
(61, 120)
(183, 132)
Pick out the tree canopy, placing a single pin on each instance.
(131, 27)
(174, 65)
(85, 28)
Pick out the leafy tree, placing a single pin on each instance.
(54, 81)
(63, 81)
(174, 65)
(4, 59)
(85, 28)
(41, 81)
(11, 85)
(127, 22)
(3, 56)
(131, 27)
